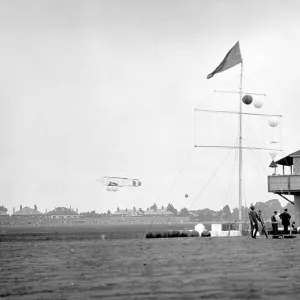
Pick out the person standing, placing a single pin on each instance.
(253, 217)
(261, 220)
(274, 220)
(285, 220)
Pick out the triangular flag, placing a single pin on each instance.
(232, 58)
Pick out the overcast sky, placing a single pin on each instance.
(109, 88)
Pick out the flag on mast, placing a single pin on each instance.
(232, 58)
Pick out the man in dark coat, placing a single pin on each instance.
(253, 217)
(274, 221)
(285, 220)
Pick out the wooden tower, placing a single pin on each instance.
(287, 183)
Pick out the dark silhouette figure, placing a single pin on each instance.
(293, 225)
(285, 220)
(253, 217)
(274, 220)
(261, 220)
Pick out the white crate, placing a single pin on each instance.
(214, 233)
(223, 233)
(216, 227)
(235, 233)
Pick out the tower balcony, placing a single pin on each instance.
(284, 184)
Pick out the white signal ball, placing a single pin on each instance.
(247, 99)
(257, 103)
(273, 122)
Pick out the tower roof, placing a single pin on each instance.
(295, 154)
(288, 160)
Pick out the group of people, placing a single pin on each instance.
(256, 217)
(285, 221)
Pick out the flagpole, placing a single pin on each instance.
(240, 150)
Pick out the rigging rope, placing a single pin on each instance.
(214, 174)
(207, 98)
(244, 191)
(232, 172)
(264, 169)
(180, 172)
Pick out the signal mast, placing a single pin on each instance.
(233, 58)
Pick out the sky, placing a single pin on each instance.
(109, 88)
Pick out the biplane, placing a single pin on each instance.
(114, 183)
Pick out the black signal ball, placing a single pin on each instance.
(247, 99)
(186, 195)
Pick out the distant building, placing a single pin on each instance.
(158, 212)
(27, 211)
(62, 213)
(127, 213)
(4, 218)
(27, 215)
